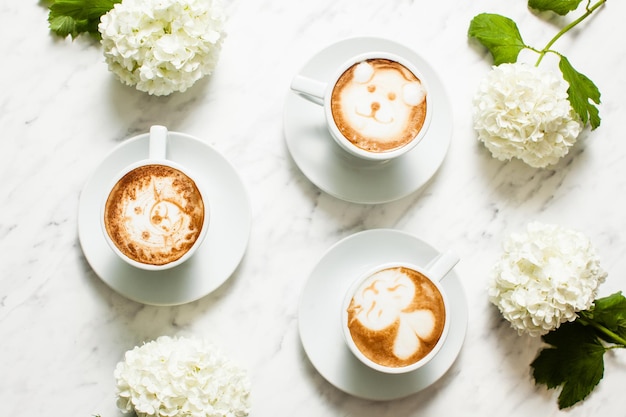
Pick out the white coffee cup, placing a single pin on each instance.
(376, 111)
(170, 221)
(393, 325)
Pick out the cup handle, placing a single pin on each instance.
(441, 265)
(158, 142)
(309, 89)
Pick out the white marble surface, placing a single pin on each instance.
(62, 330)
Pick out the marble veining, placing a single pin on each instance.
(62, 329)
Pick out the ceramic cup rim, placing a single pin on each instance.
(342, 141)
(346, 332)
(205, 224)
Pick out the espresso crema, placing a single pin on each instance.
(379, 105)
(396, 317)
(154, 214)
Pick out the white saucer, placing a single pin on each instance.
(346, 177)
(320, 305)
(221, 251)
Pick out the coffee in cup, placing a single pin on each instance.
(376, 105)
(379, 105)
(155, 214)
(395, 317)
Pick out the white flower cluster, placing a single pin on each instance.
(521, 111)
(544, 277)
(175, 377)
(162, 46)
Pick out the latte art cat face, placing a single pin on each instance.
(379, 105)
(396, 317)
(154, 214)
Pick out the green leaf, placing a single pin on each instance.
(609, 312)
(574, 362)
(499, 35)
(73, 17)
(64, 25)
(581, 93)
(561, 7)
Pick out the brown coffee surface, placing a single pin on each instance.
(154, 214)
(396, 317)
(374, 105)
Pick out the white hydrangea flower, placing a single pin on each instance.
(176, 377)
(162, 46)
(544, 277)
(521, 111)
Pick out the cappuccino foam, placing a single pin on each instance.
(154, 214)
(396, 317)
(379, 105)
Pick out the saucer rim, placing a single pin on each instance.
(413, 169)
(332, 358)
(201, 274)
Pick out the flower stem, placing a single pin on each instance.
(588, 12)
(617, 339)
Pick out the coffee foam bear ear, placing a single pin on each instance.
(363, 72)
(413, 93)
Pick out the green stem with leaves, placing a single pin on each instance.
(588, 11)
(618, 340)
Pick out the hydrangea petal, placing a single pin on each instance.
(544, 277)
(162, 46)
(176, 377)
(521, 111)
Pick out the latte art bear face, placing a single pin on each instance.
(396, 317)
(154, 214)
(379, 105)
